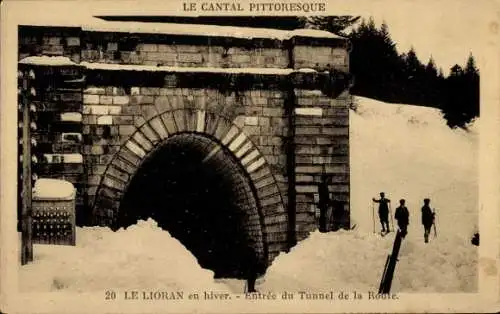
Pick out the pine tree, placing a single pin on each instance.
(461, 104)
(471, 78)
(470, 68)
(333, 24)
(430, 68)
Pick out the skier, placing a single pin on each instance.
(427, 219)
(383, 211)
(402, 215)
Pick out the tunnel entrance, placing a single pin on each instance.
(196, 190)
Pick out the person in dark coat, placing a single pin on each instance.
(337, 214)
(324, 203)
(402, 215)
(383, 211)
(254, 267)
(427, 219)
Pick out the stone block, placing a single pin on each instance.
(96, 150)
(272, 112)
(135, 100)
(115, 110)
(99, 110)
(90, 99)
(147, 47)
(118, 91)
(335, 131)
(162, 103)
(190, 57)
(121, 100)
(304, 178)
(125, 130)
(169, 122)
(306, 188)
(251, 120)
(89, 119)
(142, 140)
(106, 100)
(307, 130)
(123, 120)
(307, 150)
(308, 169)
(113, 183)
(124, 166)
(131, 110)
(158, 126)
(72, 41)
(112, 46)
(105, 120)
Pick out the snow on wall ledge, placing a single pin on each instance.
(65, 61)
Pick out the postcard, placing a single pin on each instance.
(249, 156)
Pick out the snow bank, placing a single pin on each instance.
(409, 152)
(53, 189)
(143, 256)
(355, 261)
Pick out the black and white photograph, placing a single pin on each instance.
(248, 156)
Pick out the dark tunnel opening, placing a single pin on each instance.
(195, 189)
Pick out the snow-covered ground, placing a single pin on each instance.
(406, 151)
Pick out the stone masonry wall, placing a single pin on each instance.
(322, 146)
(260, 107)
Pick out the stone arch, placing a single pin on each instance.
(158, 129)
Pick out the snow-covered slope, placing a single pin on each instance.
(409, 152)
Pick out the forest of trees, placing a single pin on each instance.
(382, 73)
(379, 70)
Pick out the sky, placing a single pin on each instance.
(447, 31)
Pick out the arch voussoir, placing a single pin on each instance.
(191, 120)
(129, 156)
(211, 121)
(180, 120)
(200, 121)
(157, 125)
(135, 148)
(169, 122)
(149, 133)
(142, 140)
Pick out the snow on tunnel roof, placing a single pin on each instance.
(53, 189)
(89, 23)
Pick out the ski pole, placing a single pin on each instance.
(434, 223)
(390, 214)
(373, 216)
